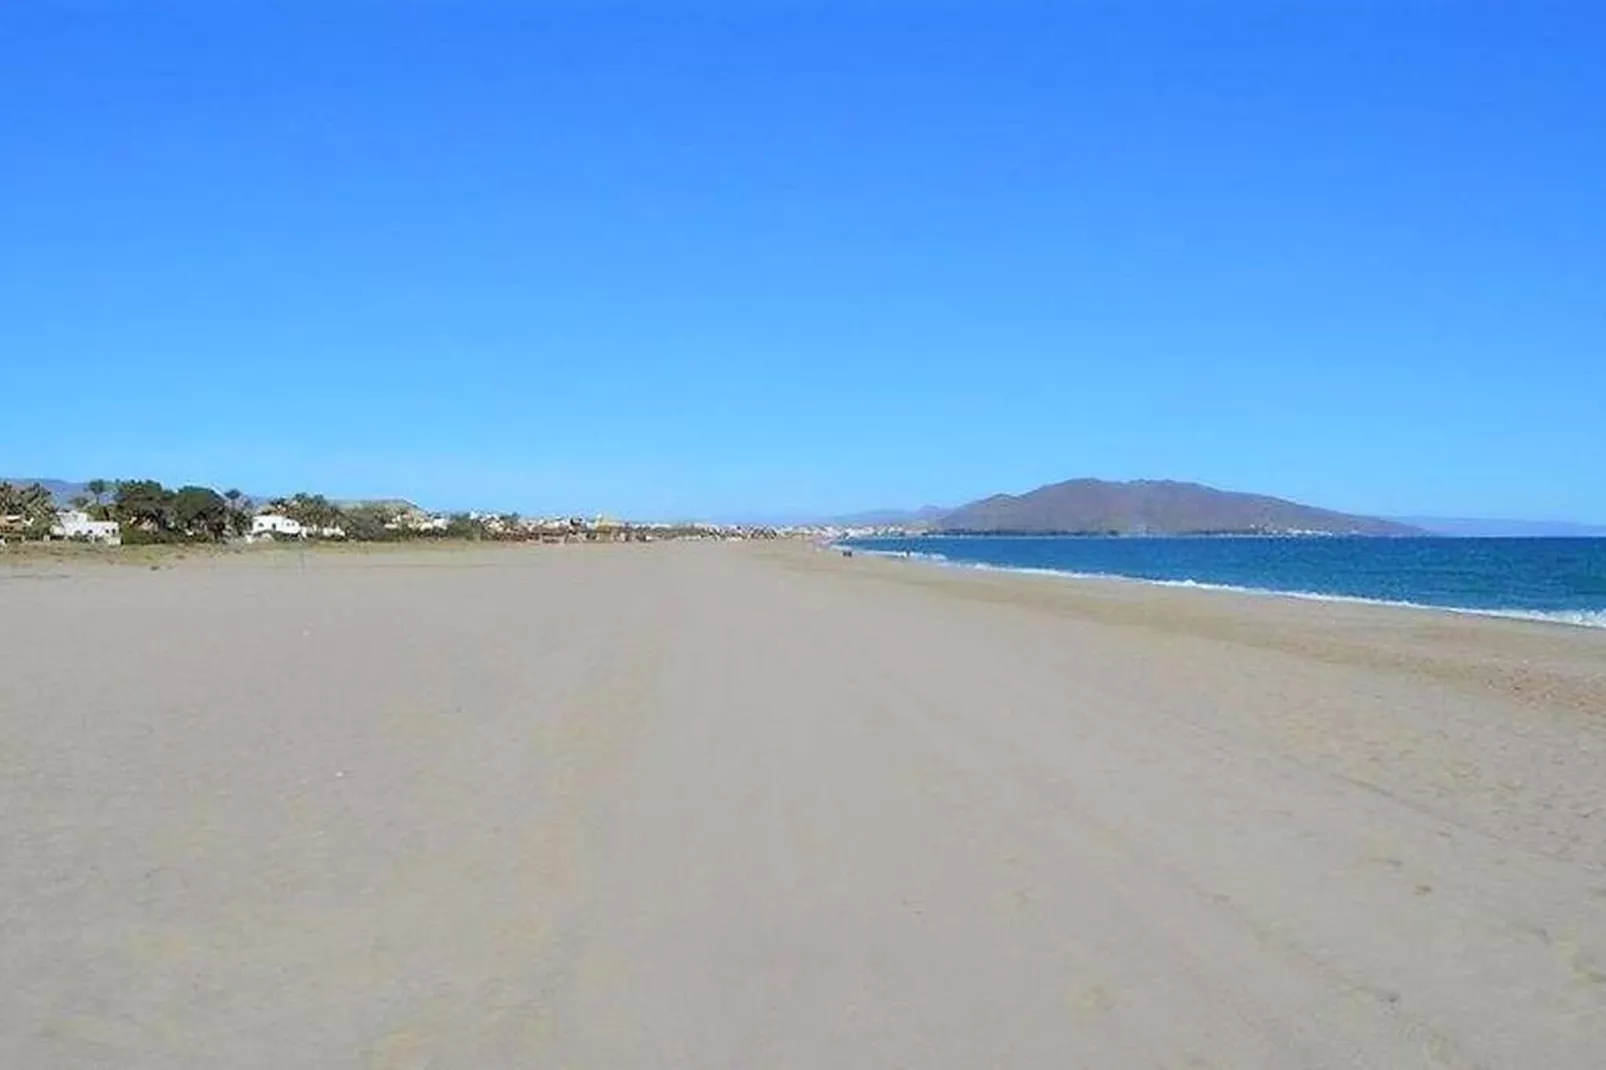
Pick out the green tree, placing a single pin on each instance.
(98, 509)
(239, 511)
(199, 512)
(464, 526)
(366, 523)
(313, 511)
(144, 504)
(38, 508)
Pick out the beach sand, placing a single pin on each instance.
(705, 805)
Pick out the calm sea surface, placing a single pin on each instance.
(1559, 579)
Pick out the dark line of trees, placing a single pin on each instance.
(147, 512)
(150, 512)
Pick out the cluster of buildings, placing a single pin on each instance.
(606, 529)
(564, 528)
(69, 524)
(837, 532)
(417, 523)
(77, 524)
(272, 525)
(265, 527)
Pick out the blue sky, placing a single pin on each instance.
(790, 258)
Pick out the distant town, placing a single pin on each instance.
(142, 511)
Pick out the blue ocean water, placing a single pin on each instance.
(1556, 579)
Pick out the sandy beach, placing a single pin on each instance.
(706, 805)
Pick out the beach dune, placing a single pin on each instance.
(697, 805)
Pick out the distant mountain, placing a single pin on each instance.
(1154, 507)
(394, 505)
(1470, 527)
(59, 489)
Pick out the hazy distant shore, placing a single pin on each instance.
(682, 805)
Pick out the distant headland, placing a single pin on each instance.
(1142, 507)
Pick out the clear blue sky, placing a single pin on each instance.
(790, 258)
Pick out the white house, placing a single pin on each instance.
(76, 524)
(416, 520)
(276, 524)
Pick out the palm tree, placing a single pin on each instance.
(98, 487)
(238, 522)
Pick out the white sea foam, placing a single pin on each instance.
(1582, 618)
(912, 555)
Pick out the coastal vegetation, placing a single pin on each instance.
(26, 512)
(145, 512)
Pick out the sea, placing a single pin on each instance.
(1555, 579)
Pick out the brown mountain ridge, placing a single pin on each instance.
(1153, 507)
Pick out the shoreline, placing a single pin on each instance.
(1571, 618)
(1533, 663)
